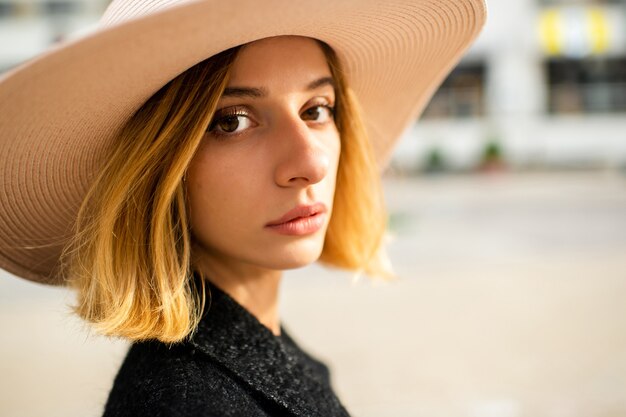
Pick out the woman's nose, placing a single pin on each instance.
(302, 157)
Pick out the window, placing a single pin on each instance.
(461, 95)
(592, 85)
(60, 7)
(7, 9)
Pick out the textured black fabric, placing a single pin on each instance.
(233, 366)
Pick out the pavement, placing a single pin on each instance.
(509, 303)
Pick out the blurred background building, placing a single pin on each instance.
(544, 86)
(512, 273)
(28, 26)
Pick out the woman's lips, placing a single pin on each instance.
(301, 220)
(301, 225)
(302, 210)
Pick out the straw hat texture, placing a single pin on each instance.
(60, 110)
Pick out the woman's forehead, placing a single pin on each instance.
(282, 62)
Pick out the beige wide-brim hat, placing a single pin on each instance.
(61, 110)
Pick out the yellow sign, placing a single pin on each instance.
(574, 31)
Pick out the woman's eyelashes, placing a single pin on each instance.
(232, 121)
(319, 113)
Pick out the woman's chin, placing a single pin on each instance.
(293, 259)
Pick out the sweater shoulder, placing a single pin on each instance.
(159, 380)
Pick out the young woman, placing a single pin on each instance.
(171, 164)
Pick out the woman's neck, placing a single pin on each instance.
(257, 290)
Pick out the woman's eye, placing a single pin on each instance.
(230, 124)
(320, 113)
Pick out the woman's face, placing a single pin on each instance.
(272, 146)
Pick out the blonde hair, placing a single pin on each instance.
(130, 255)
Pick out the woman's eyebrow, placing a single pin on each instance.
(254, 92)
(320, 83)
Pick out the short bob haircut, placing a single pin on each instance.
(130, 257)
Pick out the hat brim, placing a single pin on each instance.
(60, 111)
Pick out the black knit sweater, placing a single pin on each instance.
(232, 366)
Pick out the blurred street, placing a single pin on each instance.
(510, 303)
